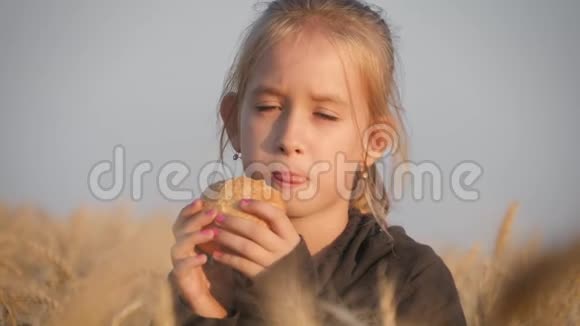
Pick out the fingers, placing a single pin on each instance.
(186, 212)
(182, 267)
(245, 266)
(194, 222)
(256, 232)
(185, 245)
(274, 216)
(244, 247)
(197, 222)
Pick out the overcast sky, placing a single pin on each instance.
(492, 82)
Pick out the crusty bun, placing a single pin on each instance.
(225, 197)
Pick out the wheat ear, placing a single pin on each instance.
(504, 234)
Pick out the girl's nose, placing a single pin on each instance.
(290, 148)
(291, 133)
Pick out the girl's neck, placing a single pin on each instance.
(321, 228)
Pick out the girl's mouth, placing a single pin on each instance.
(287, 179)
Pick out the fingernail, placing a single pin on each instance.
(201, 257)
(220, 218)
(208, 232)
(244, 201)
(217, 254)
(210, 212)
(215, 231)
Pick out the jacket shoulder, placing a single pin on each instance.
(411, 260)
(408, 250)
(425, 291)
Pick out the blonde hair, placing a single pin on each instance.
(362, 30)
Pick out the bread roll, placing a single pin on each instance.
(225, 197)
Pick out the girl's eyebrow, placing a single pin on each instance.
(329, 98)
(269, 90)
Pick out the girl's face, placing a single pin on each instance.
(297, 117)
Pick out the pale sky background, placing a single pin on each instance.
(494, 82)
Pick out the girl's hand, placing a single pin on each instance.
(192, 278)
(255, 246)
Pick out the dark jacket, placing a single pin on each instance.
(346, 274)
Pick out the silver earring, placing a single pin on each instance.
(365, 174)
(237, 155)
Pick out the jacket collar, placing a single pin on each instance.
(361, 244)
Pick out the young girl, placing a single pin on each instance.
(311, 83)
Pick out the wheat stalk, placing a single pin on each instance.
(12, 268)
(9, 312)
(127, 310)
(340, 314)
(387, 302)
(526, 293)
(504, 234)
(164, 314)
(52, 257)
(29, 295)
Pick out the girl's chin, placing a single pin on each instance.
(296, 208)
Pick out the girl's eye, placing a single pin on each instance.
(266, 108)
(327, 116)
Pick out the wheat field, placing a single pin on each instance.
(98, 267)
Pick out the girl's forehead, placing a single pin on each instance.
(305, 49)
(310, 62)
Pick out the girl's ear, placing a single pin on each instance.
(229, 114)
(382, 137)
